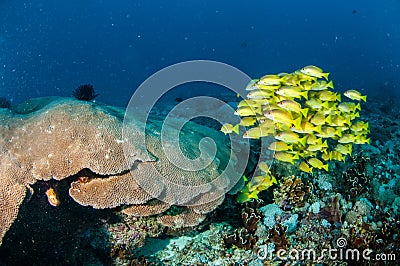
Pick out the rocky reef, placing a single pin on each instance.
(99, 221)
(353, 207)
(76, 149)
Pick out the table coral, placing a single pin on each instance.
(59, 138)
(150, 208)
(109, 192)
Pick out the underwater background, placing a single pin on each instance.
(49, 48)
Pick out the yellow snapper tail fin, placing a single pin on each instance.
(330, 85)
(236, 129)
(305, 94)
(304, 111)
(338, 97)
(364, 98)
(303, 141)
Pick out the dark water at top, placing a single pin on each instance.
(51, 47)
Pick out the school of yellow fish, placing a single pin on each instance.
(309, 121)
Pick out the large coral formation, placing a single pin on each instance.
(108, 192)
(11, 196)
(189, 175)
(151, 207)
(57, 141)
(65, 137)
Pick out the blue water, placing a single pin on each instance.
(51, 47)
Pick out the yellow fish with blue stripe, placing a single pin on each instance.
(355, 95)
(306, 117)
(314, 71)
(229, 128)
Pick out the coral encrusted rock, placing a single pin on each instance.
(58, 138)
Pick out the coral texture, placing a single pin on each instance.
(11, 196)
(57, 141)
(187, 218)
(56, 138)
(150, 208)
(292, 193)
(109, 192)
